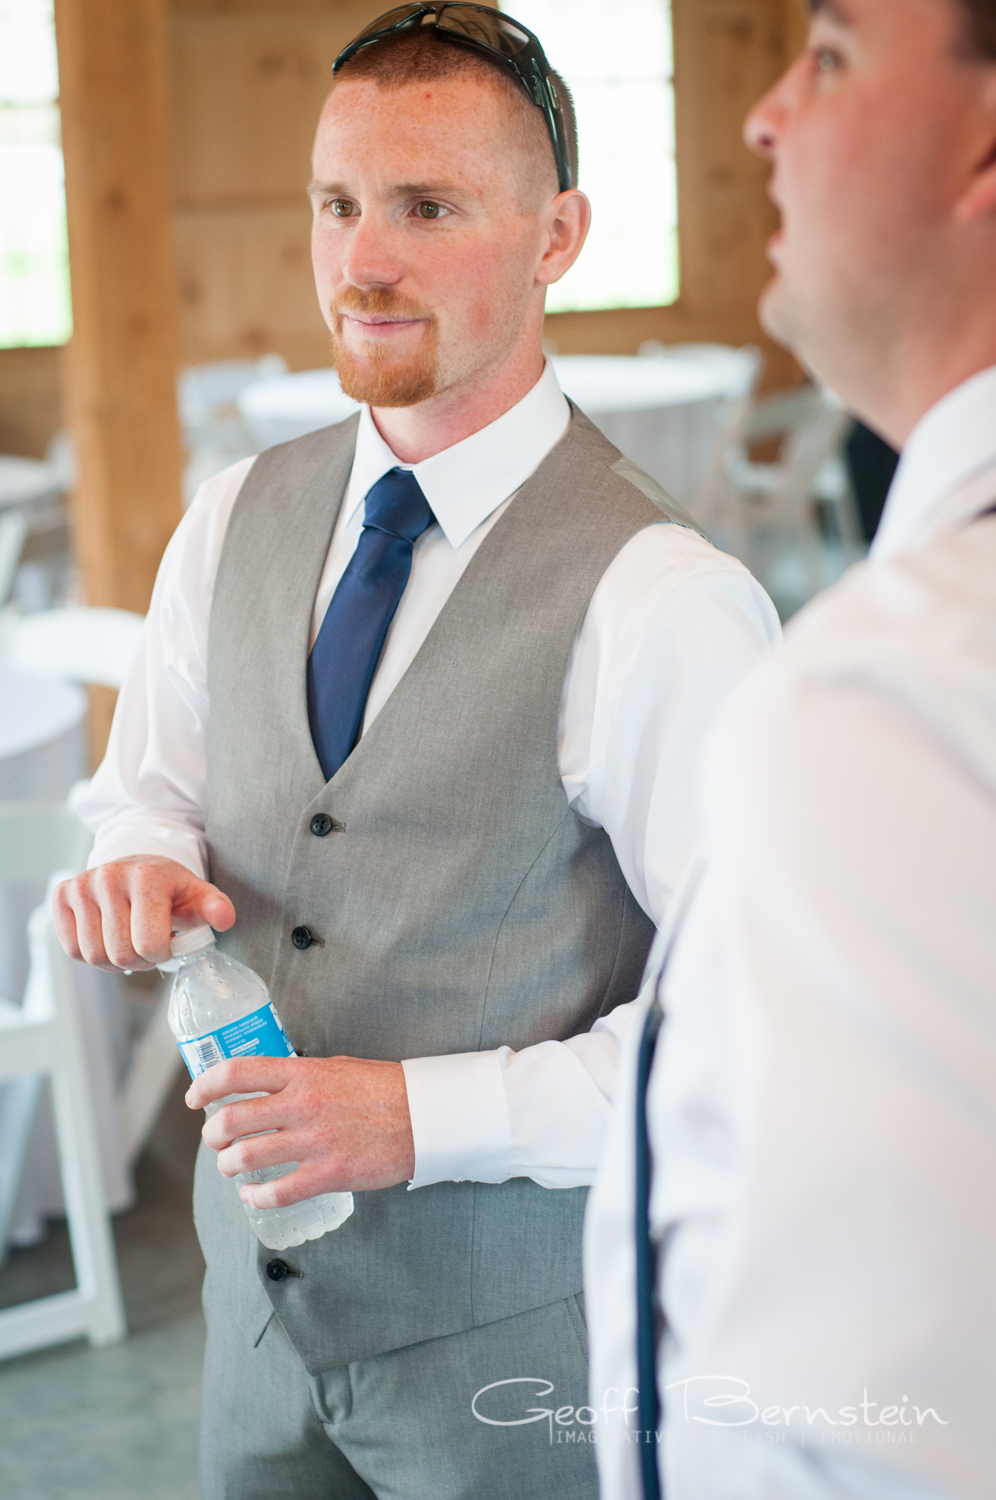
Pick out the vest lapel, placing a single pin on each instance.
(310, 476)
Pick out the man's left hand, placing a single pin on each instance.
(345, 1120)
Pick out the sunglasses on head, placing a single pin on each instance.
(496, 36)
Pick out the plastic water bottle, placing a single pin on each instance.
(218, 1009)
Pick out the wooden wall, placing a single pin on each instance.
(30, 400)
(248, 78)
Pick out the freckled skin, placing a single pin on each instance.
(479, 269)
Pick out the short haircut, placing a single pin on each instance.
(981, 32)
(421, 57)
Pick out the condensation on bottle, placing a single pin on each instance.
(221, 1009)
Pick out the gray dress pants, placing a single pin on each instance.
(496, 1413)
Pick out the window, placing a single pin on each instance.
(616, 57)
(34, 260)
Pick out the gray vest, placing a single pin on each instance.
(459, 904)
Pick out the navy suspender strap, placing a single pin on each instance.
(646, 1268)
(649, 1409)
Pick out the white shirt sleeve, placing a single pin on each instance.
(671, 629)
(824, 1096)
(147, 797)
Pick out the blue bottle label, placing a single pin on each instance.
(259, 1034)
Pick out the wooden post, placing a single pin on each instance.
(121, 366)
(122, 360)
(796, 28)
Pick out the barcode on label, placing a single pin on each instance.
(208, 1053)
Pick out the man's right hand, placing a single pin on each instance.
(121, 915)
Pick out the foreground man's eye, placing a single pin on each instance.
(431, 210)
(342, 208)
(827, 60)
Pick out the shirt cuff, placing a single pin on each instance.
(459, 1118)
(186, 852)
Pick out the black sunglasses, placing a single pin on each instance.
(498, 36)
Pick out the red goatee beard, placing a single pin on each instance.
(382, 377)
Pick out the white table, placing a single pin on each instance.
(42, 736)
(275, 411)
(43, 751)
(28, 481)
(36, 489)
(662, 411)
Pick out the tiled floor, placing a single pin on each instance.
(121, 1423)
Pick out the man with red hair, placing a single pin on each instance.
(417, 694)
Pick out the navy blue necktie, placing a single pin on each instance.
(345, 655)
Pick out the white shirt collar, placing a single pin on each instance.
(953, 445)
(465, 483)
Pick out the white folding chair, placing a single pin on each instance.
(754, 509)
(746, 365)
(742, 374)
(812, 424)
(214, 430)
(42, 1038)
(97, 645)
(36, 840)
(34, 490)
(13, 532)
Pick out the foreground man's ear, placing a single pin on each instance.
(979, 201)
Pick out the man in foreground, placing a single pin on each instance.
(821, 1106)
(418, 693)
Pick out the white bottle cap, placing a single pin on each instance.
(183, 944)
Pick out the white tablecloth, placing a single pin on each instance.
(661, 411)
(42, 752)
(28, 481)
(36, 715)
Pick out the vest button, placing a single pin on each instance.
(277, 1270)
(302, 937)
(320, 825)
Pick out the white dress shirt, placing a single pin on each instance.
(672, 627)
(822, 1106)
